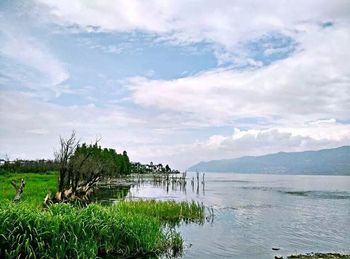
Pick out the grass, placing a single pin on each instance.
(37, 186)
(65, 231)
(170, 212)
(297, 193)
(126, 229)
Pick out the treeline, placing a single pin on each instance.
(83, 161)
(107, 160)
(81, 166)
(114, 164)
(110, 162)
(138, 168)
(29, 166)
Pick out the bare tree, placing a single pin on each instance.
(67, 149)
(78, 172)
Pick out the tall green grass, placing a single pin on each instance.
(130, 228)
(37, 186)
(170, 212)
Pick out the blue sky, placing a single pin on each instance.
(176, 81)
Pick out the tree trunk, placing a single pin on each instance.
(81, 193)
(19, 190)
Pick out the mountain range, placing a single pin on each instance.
(335, 161)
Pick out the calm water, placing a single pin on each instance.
(254, 213)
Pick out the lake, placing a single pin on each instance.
(254, 213)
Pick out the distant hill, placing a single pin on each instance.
(335, 161)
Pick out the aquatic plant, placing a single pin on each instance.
(130, 228)
(170, 212)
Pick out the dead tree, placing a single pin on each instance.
(78, 173)
(19, 189)
(67, 149)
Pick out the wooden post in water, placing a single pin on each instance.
(203, 184)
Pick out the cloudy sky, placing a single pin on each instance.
(175, 82)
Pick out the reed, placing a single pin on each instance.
(170, 212)
(129, 228)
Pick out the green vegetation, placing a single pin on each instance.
(29, 166)
(113, 164)
(170, 212)
(128, 228)
(62, 230)
(297, 193)
(37, 186)
(81, 166)
(66, 231)
(138, 168)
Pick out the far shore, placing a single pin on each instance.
(318, 256)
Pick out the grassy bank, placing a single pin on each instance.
(37, 186)
(128, 228)
(63, 230)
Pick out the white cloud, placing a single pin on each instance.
(225, 23)
(32, 63)
(251, 142)
(30, 128)
(111, 15)
(309, 85)
(301, 98)
(264, 141)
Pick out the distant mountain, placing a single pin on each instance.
(335, 161)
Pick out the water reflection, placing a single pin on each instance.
(254, 213)
(167, 187)
(107, 194)
(149, 187)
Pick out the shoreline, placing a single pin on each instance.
(319, 256)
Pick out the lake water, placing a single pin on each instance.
(254, 213)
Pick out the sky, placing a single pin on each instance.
(174, 81)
